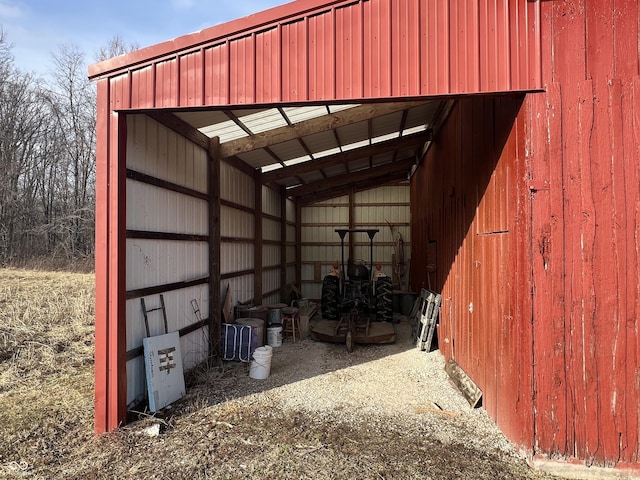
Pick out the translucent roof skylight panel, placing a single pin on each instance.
(256, 158)
(352, 146)
(356, 132)
(301, 114)
(227, 131)
(288, 150)
(416, 129)
(263, 120)
(384, 138)
(271, 167)
(295, 161)
(326, 153)
(339, 108)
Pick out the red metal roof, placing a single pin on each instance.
(319, 50)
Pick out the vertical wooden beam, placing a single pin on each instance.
(257, 281)
(298, 280)
(213, 189)
(352, 215)
(283, 243)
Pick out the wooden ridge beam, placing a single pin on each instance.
(312, 126)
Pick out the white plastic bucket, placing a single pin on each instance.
(274, 335)
(261, 363)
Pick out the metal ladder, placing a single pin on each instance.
(146, 311)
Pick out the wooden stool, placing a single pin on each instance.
(291, 323)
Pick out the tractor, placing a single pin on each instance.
(356, 308)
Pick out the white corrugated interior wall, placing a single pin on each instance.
(271, 251)
(291, 241)
(154, 150)
(374, 208)
(237, 232)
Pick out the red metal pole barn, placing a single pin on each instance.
(528, 201)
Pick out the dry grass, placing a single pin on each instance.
(46, 359)
(219, 430)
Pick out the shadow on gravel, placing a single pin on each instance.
(293, 362)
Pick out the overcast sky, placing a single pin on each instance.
(37, 27)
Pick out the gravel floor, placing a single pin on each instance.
(365, 414)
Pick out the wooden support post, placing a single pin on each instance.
(257, 265)
(352, 215)
(298, 280)
(213, 189)
(283, 244)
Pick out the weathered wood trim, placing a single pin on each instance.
(182, 237)
(167, 287)
(157, 182)
(237, 206)
(240, 273)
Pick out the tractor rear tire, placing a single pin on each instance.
(330, 297)
(384, 297)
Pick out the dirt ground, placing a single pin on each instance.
(380, 412)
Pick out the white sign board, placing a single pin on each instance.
(163, 365)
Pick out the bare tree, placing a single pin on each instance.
(47, 156)
(21, 117)
(115, 47)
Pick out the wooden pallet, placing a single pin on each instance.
(424, 318)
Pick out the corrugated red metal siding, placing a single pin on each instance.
(345, 50)
(469, 185)
(565, 331)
